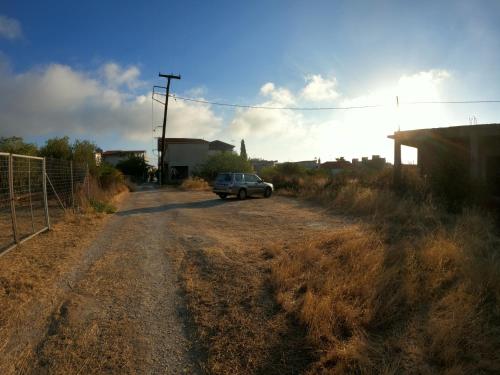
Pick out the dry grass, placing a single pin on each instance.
(238, 322)
(101, 200)
(411, 290)
(29, 277)
(399, 287)
(194, 183)
(31, 282)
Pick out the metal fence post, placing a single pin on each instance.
(30, 198)
(45, 200)
(71, 177)
(87, 176)
(12, 199)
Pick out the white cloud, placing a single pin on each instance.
(291, 135)
(260, 122)
(270, 132)
(374, 124)
(267, 88)
(10, 28)
(320, 89)
(196, 92)
(116, 76)
(57, 99)
(278, 96)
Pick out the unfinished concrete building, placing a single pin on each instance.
(468, 155)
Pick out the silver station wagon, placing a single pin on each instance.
(242, 185)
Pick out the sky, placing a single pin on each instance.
(86, 70)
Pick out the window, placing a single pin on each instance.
(224, 177)
(251, 178)
(238, 177)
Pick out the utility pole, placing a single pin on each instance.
(162, 157)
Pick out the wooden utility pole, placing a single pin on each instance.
(162, 157)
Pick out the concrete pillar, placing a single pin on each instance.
(397, 162)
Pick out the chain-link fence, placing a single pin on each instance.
(34, 192)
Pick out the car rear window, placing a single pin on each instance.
(223, 177)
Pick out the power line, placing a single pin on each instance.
(234, 105)
(455, 102)
(269, 107)
(159, 101)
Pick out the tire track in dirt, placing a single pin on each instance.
(122, 315)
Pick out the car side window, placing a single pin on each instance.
(250, 178)
(238, 177)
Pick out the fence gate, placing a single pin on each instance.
(30, 187)
(23, 199)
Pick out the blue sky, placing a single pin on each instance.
(85, 69)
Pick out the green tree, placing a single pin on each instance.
(243, 150)
(84, 152)
(57, 147)
(16, 145)
(135, 166)
(223, 162)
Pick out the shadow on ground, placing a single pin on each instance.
(174, 206)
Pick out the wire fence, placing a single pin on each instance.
(34, 192)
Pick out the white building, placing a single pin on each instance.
(184, 155)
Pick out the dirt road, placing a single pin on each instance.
(121, 307)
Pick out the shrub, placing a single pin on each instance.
(16, 145)
(223, 162)
(58, 148)
(108, 176)
(135, 167)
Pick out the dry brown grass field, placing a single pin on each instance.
(359, 281)
(194, 183)
(29, 279)
(400, 287)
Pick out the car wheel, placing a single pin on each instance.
(267, 192)
(222, 196)
(242, 194)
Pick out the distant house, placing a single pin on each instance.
(113, 157)
(340, 164)
(307, 164)
(376, 162)
(337, 166)
(258, 164)
(454, 156)
(184, 155)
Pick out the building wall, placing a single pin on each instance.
(186, 154)
(114, 159)
(308, 164)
